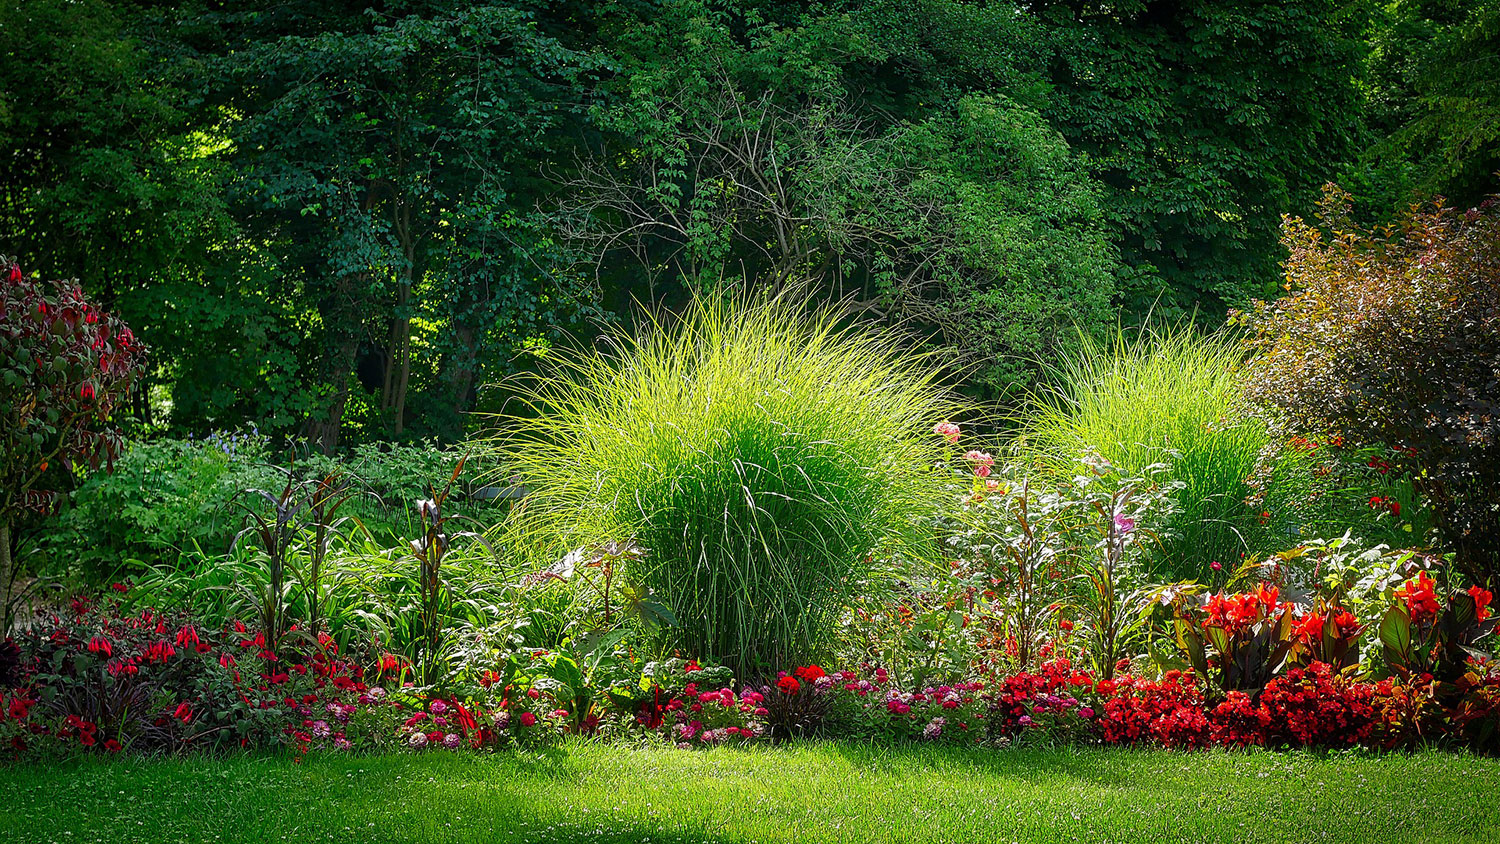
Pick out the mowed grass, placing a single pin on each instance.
(808, 793)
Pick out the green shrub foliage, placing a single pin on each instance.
(758, 454)
(1392, 337)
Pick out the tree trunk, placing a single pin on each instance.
(7, 577)
(340, 350)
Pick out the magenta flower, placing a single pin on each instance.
(1123, 523)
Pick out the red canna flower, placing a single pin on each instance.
(1347, 624)
(1482, 598)
(1420, 595)
(1310, 627)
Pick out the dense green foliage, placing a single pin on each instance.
(591, 793)
(760, 457)
(181, 502)
(1434, 105)
(341, 220)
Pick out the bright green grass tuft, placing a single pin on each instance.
(808, 794)
(761, 454)
(1137, 394)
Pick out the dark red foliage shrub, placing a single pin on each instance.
(1392, 338)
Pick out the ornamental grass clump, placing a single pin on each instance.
(1135, 395)
(759, 453)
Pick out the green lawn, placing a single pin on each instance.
(810, 793)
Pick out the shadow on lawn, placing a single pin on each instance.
(1098, 766)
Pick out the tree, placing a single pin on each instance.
(386, 162)
(1434, 112)
(1206, 120)
(732, 157)
(104, 176)
(65, 366)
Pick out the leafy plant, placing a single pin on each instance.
(434, 600)
(1419, 635)
(1247, 634)
(758, 454)
(64, 367)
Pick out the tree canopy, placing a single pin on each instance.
(343, 220)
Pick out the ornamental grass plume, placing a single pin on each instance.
(760, 452)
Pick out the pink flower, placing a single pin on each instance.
(437, 707)
(1123, 523)
(417, 740)
(946, 430)
(527, 719)
(452, 741)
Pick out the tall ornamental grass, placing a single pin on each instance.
(1135, 394)
(759, 453)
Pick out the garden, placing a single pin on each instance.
(745, 473)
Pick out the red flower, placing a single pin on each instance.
(388, 662)
(119, 587)
(788, 685)
(527, 719)
(100, 645)
(809, 673)
(187, 637)
(183, 712)
(112, 746)
(1347, 624)
(1482, 599)
(1420, 595)
(1065, 625)
(1310, 628)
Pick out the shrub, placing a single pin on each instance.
(64, 367)
(1392, 338)
(1172, 389)
(759, 454)
(170, 499)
